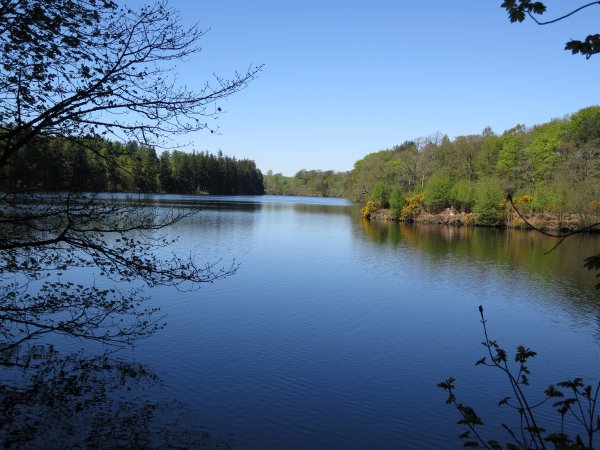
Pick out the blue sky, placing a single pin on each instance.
(342, 79)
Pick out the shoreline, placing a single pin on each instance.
(508, 220)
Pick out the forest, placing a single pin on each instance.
(551, 168)
(99, 165)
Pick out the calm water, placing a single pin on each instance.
(335, 331)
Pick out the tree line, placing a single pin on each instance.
(310, 183)
(551, 168)
(95, 165)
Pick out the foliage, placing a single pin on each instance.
(438, 192)
(380, 195)
(400, 165)
(584, 125)
(523, 202)
(75, 68)
(312, 183)
(576, 400)
(72, 71)
(463, 195)
(412, 207)
(551, 198)
(97, 165)
(543, 151)
(486, 160)
(524, 205)
(518, 10)
(488, 202)
(368, 209)
(511, 159)
(397, 202)
(595, 206)
(558, 162)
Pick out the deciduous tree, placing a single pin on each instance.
(76, 69)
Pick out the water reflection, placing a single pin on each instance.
(516, 248)
(511, 252)
(75, 401)
(333, 334)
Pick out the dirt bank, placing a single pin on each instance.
(451, 217)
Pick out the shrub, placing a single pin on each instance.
(437, 192)
(413, 207)
(550, 199)
(488, 203)
(397, 202)
(463, 195)
(381, 195)
(368, 209)
(523, 203)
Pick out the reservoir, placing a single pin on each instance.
(334, 331)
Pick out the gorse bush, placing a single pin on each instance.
(523, 204)
(368, 209)
(413, 206)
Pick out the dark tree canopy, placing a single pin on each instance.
(100, 165)
(519, 10)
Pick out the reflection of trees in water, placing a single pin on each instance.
(513, 249)
(381, 232)
(78, 401)
(73, 266)
(512, 252)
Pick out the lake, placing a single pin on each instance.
(334, 331)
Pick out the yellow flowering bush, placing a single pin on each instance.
(412, 207)
(523, 203)
(368, 209)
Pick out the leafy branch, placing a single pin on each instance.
(576, 400)
(518, 10)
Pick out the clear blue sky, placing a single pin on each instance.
(342, 79)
